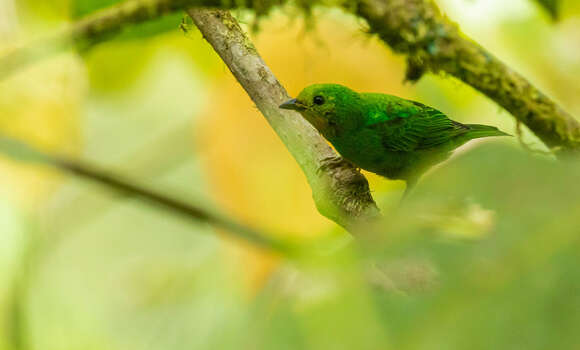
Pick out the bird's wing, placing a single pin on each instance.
(409, 129)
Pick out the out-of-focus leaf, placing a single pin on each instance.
(552, 6)
(507, 290)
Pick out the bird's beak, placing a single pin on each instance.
(292, 104)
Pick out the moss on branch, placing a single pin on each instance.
(433, 43)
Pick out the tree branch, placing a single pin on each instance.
(340, 192)
(433, 43)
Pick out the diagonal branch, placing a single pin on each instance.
(433, 43)
(340, 192)
(23, 152)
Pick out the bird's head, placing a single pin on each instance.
(331, 108)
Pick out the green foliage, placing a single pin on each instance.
(512, 287)
(552, 6)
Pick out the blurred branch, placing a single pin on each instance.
(105, 24)
(152, 161)
(340, 192)
(433, 43)
(23, 152)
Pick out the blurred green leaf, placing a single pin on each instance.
(511, 287)
(552, 6)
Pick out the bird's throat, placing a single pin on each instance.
(320, 123)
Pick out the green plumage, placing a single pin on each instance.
(384, 134)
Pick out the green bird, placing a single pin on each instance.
(384, 134)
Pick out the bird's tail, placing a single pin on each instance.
(476, 131)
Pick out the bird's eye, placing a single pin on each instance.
(319, 100)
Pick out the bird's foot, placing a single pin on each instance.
(329, 163)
